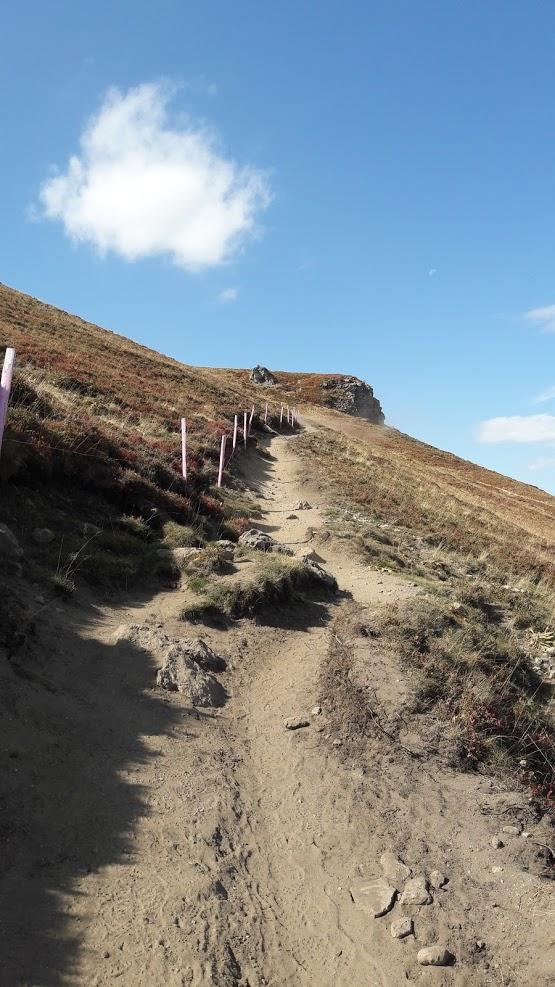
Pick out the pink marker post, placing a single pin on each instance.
(288, 414)
(234, 432)
(280, 416)
(222, 458)
(184, 448)
(266, 413)
(245, 428)
(5, 388)
(251, 418)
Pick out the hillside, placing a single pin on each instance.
(372, 720)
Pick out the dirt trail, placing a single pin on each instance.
(237, 868)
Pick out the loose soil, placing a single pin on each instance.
(153, 844)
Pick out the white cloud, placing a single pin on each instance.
(547, 395)
(543, 317)
(142, 186)
(542, 463)
(519, 428)
(432, 272)
(229, 295)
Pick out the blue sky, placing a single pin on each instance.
(349, 187)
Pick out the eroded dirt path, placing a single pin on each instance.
(237, 867)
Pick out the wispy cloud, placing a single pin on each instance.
(432, 272)
(143, 185)
(542, 463)
(547, 395)
(542, 317)
(229, 295)
(519, 428)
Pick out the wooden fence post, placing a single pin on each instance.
(280, 416)
(266, 413)
(245, 429)
(222, 457)
(5, 388)
(184, 447)
(234, 432)
(251, 418)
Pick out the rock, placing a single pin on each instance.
(376, 897)
(185, 553)
(497, 870)
(200, 652)
(401, 927)
(354, 397)
(416, 892)
(164, 553)
(394, 868)
(90, 530)
(315, 711)
(435, 956)
(512, 830)
(337, 742)
(438, 880)
(296, 723)
(226, 549)
(9, 545)
(181, 674)
(261, 375)
(496, 843)
(303, 505)
(319, 574)
(262, 542)
(292, 517)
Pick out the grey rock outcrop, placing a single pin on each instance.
(180, 673)
(262, 542)
(354, 397)
(261, 375)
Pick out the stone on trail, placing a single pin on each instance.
(292, 517)
(394, 868)
(401, 927)
(438, 880)
(319, 574)
(303, 505)
(496, 843)
(296, 723)
(226, 549)
(376, 897)
(512, 830)
(9, 545)
(43, 536)
(262, 542)
(200, 652)
(435, 956)
(416, 892)
(180, 673)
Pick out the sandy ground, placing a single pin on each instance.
(174, 847)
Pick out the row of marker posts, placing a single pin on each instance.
(291, 413)
(292, 419)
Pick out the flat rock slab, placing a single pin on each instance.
(296, 723)
(394, 868)
(416, 892)
(376, 897)
(435, 956)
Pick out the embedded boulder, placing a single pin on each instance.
(180, 673)
(353, 397)
(262, 542)
(261, 375)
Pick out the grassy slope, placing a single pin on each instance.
(477, 639)
(93, 437)
(94, 433)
